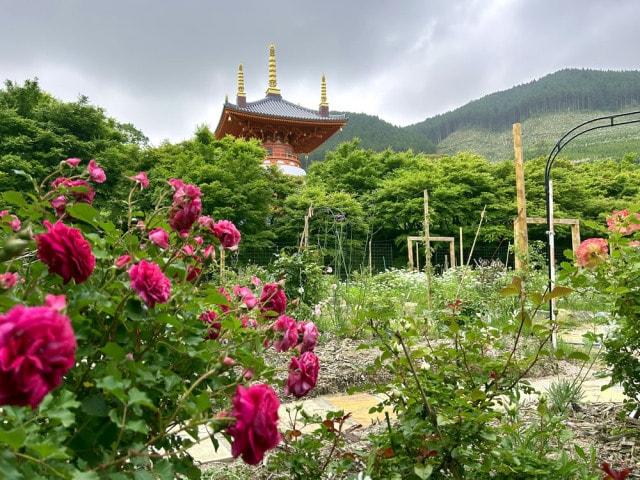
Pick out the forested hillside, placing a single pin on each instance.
(375, 134)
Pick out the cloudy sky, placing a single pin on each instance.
(166, 65)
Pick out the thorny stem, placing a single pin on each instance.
(334, 445)
(39, 462)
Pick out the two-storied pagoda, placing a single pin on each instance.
(285, 129)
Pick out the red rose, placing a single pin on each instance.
(80, 189)
(227, 233)
(66, 252)
(310, 334)
(186, 207)
(148, 281)
(37, 347)
(210, 317)
(303, 374)
(256, 427)
(289, 329)
(193, 273)
(273, 299)
(613, 474)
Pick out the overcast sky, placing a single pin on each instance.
(166, 65)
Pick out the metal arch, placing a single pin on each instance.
(588, 126)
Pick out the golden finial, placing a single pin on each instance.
(273, 83)
(323, 93)
(240, 81)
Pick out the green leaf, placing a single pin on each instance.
(84, 212)
(558, 292)
(14, 198)
(113, 350)
(14, 438)
(137, 397)
(137, 426)
(578, 355)
(48, 449)
(135, 310)
(580, 451)
(423, 471)
(86, 476)
(95, 406)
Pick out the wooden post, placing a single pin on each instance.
(521, 237)
(461, 250)
(575, 238)
(427, 247)
(418, 256)
(452, 253)
(410, 252)
(370, 258)
(446, 262)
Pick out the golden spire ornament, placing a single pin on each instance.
(273, 83)
(323, 92)
(241, 82)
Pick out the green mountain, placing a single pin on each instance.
(547, 108)
(375, 134)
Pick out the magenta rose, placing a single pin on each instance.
(309, 333)
(210, 317)
(246, 295)
(159, 237)
(73, 162)
(186, 207)
(227, 233)
(96, 172)
(287, 329)
(255, 430)
(303, 374)
(37, 347)
(66, 252)
(273, 299)
(141, 179)
(79, 189)
(193, 273)
(59, 204)
(8, 280)
(122, 261)
(148, 281)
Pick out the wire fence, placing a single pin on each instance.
(387, 254)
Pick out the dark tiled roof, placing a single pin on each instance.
(276, 106)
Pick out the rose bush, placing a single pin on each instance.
(116, 344)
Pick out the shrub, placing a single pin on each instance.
(114, 345)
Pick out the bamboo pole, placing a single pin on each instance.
(521, 237)
(427, 246)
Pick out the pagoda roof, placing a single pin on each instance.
(276, 106)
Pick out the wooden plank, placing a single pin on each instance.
(556, 221)
(432, 239)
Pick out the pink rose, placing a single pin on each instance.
(303, 374)
(79, 189)
(186, 207)
(148, 281)
(37, 348)
(159, 237)
(248, 322)
(289, 329)
(66, 252)
(592, 252)
(246, 295)
(8, 280)
(198, 240)
(141, 178)
(122, 261)
(209, 252)
(96, 172)
(73, 162)
(188, 250)
(227, 233)
(57, 302)
(273, 299)
(210, 317)
(620, 222)
(256, 281)
(59, 204)
(193, 273)
(205, 221)
(14, 222)
(310, 334)
(256, 427)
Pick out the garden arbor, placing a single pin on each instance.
(588, 126)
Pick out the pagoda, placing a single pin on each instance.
(285, 129)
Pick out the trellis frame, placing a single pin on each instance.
(412, 239)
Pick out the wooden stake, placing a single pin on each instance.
(521, 237)
(461, 250)
(427, 246)
(452, 253)
(417, 256)
(410, 252)
(370, 258)
(575, 239)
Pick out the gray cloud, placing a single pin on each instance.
(166, 65)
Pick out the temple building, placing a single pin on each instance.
(285, 129)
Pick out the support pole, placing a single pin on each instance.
(452, 253)
(427, 246)
(417, 256)
(410, 253)
(552, 266)
(370, 259)
(521, 237)
(461, 250)
(575, 238)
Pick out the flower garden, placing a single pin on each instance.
(121, 340)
